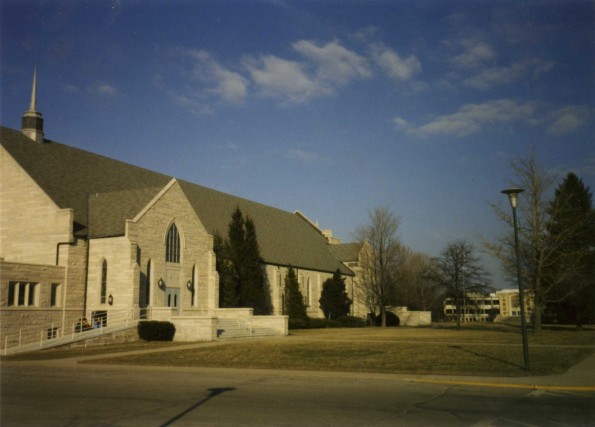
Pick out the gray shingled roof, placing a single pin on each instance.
(346, 252)
(105, 192)
(70, 177)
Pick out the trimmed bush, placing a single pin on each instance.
(342, 322)
(153, 330)
(352, 322)
(298, 323)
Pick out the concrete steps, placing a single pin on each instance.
(237, 328)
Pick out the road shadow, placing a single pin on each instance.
(213, 392)
(486, 356)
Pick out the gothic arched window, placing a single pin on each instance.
(172, 245)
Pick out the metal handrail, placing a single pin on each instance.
(50, 332)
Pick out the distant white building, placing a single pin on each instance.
(494, 306)
(474, 307)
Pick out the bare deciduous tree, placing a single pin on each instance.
(380, 261)
(539, 248)
(416, 289)
(459, 272)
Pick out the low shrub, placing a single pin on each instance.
(352, 322)
(153, 330)
(342, 322)
(298, 323)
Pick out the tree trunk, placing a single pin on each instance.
(458, 304)
(538, 304)
(537, 318)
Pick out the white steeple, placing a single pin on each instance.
(32, 122)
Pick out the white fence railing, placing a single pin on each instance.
(40, 336)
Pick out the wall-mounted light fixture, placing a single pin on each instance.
(110, 299)
(161, 284)
(190, 285)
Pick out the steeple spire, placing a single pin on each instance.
(32, 122)
(32, 107)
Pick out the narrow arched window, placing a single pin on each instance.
(148, 284)
(103, 281)
(172, 248)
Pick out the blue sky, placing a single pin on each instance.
(327, 107)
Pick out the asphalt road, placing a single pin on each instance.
(69, 394)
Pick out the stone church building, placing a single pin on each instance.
(86, 236)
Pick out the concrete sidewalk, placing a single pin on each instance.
(580, 377)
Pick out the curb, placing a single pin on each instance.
(508, 385)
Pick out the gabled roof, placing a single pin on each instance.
(104, 193)
(346, 252)
(284, 239)
(70, 176)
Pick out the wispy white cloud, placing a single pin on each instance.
(495, 76)
(472, 118)
(569, 118)
(322, 69)
(194, 79)
(220, 81)
(103, 89)
(281, 78)
(392, 63)
(474, 53)
(333, 62)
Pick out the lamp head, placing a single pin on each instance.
(512, 194)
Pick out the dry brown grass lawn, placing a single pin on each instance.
(487, 350)
(493, 350)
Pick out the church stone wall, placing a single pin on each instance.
(116, 251)
(40, 313)
(36, 241)
(310, 286)
(150, 231)
(31, 225)
(74, 258)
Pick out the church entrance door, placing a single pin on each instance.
(172, 289)
(172, 299)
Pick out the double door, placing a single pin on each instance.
(172, 289)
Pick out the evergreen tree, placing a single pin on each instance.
(294, 301)
(334, 301)
(235, 249)
(228, 296)
(241, 276)
(254, 292)
(572, 275)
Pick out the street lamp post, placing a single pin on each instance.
(513, 198)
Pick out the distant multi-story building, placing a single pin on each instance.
(494, 306)
(474, 307)
(509, 302)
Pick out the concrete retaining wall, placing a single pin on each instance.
(193, 328)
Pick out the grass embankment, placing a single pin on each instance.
(490, 350)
